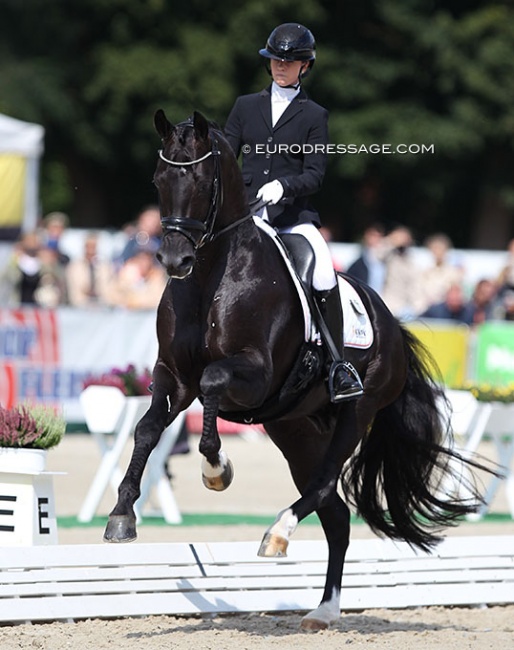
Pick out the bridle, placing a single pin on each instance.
(197, 232)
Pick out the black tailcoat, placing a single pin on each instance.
(300, 168)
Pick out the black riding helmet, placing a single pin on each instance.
(291, 42)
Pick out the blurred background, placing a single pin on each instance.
(432, 231)
(425, 72)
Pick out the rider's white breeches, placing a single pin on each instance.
(324, 277)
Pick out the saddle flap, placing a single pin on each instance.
(358, 332)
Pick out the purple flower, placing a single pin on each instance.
(128, 380)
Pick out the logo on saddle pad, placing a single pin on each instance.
(358, 332)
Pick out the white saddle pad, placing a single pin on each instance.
(358, 332)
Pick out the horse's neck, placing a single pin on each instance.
(234, 203)
(229, 255)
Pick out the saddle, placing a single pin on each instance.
(299, 258)
(310, 363)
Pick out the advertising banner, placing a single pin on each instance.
(45, 355)
(449, 345)
(495, 354)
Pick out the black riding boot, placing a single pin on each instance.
(344, 381)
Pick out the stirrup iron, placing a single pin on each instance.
(351, 392)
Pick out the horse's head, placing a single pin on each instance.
(189, 178)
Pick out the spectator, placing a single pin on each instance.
(33, 275)
(506, 277)
(21, 275)
(401, 291)
(140, 282)
(504, 307)
(482, 301)
(454, 307)
(442, 274)
(51, 291)
(369, 267)
(89, 277)
(147, 232)
(54, 225)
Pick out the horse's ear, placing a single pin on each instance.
(200, 125)
(162, 125)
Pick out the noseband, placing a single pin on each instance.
(198, 232)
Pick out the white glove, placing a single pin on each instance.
(271, 192)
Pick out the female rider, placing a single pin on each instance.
(283, 136)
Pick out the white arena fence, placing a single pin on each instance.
(73, 582)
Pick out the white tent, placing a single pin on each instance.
(21, 147)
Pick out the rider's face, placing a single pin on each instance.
(286, 73)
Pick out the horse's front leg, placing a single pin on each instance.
(227, 377)
(217, 469)
(121, 526)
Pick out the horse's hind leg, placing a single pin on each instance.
(324, 455)
(121, 526)
(305, 449)
(335, 519)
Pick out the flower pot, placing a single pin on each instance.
(102, 407)
(19, 460)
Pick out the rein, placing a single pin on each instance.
(184, 225)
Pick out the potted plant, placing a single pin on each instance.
(26, 434)
(490, 393)
(106, 397)
(131, 382)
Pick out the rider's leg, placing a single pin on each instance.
(344, 381)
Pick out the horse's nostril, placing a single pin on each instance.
(187, 262)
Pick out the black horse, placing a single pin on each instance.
(230, 331)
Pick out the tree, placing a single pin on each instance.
(437, 72)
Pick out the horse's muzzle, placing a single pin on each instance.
(177, 257)
(178, 268)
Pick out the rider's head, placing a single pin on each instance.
(291, 50)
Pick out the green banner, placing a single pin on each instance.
(495, 354)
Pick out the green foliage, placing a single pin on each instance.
(93, 72)
(31, 427)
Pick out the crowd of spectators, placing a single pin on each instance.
(40, 273)
(437, 291)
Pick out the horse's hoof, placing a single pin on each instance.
(220, 481)
(313, 624)
(120, 529)
(273, 546)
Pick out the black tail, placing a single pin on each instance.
(396, 477)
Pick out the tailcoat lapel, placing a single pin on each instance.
(265, 107)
